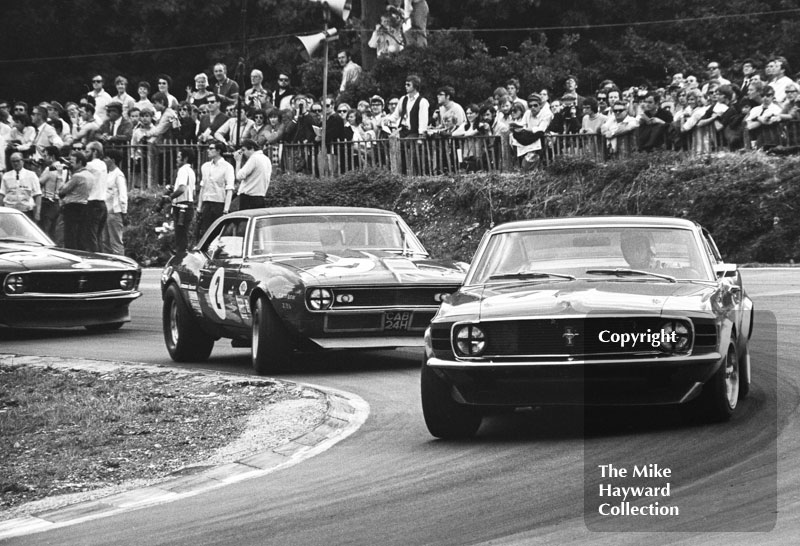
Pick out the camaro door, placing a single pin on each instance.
(220, 276)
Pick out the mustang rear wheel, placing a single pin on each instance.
(271, 346)
(184, 338)
(445, 418)
(721, 392)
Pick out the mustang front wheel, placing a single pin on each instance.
(445, 418)
(721, 392)
(271, 346)
(184, 338)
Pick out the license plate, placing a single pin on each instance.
(396, 320)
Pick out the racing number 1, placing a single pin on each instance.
(215, 293)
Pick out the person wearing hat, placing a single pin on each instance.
(56, 116)
(115, 130)
(526, 135)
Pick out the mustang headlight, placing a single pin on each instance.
(320, 299)
(14, 284)
(675, 337)
(127, 281)
(470, 340)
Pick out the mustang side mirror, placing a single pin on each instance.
(726, 270)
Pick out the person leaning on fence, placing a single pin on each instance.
(762, 122)
(216, 188)
(253, 177)
(182, 198)
(592, 120)
(411, 114)
(527, 134)
(618, 125)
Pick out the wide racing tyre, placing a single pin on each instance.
(444, 417)
(185, 340)
(271, 346)
(745, 373)
(721, 392)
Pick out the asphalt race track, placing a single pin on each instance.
(522, 480)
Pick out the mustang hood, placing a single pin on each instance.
(583, 297)
(21, 257)
(362, 267)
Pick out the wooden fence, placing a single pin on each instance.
(155, 165)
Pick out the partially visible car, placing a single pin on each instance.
(308, 278)
(48, 287)
(621, 311)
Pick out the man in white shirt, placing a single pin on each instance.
(714, 75)
(411, 113)
(46, 135)
(254, 176)
(350, 72)
(778, 80)
(183, 199)
(116, 204)
(619, 124)
(19, 189)
(216, 188)
(96, 207)
(101, 98)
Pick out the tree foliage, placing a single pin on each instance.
(475, 45)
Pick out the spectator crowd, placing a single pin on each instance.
(63, 164)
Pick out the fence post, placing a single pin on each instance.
(395, 154)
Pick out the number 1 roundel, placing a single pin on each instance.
(215, 294)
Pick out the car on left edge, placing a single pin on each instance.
(42, 286)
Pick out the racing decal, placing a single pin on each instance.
(215, 293)
(343, 266)
(242, 288)
(194, 303)
(244, 307)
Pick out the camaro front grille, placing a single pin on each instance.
(576, 337)
(72, 282)
(378, 297)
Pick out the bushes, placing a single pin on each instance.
(747, 201)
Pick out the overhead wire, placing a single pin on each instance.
(430, 31)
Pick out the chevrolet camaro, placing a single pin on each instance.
(303, 278)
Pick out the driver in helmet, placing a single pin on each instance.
(638, 251)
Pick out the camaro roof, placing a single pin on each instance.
(597, 221)
(278, 211)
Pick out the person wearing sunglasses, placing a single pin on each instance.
(618, 124)
(211, 122)
(282, 97)
(101, 97)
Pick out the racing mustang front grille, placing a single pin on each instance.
(73, 282)
(396, 296)
(579, 337)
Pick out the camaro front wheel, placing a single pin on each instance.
(445, 418)
(271, 346)
(185, 340)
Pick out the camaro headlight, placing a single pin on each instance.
(344, 298)
(127, 281)
(14, 284)
(320, 299)
(439, 297)
(470, 340)
(675, 337)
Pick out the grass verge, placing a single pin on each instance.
(68, 430)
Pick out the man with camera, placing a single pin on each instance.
(50, 182)
(254, 176)
(257, 97)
